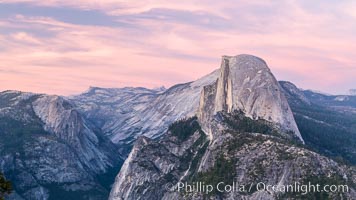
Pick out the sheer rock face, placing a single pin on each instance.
(66, 123)
(247, 84)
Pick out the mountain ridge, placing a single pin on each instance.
(141, 120)
(227, 142)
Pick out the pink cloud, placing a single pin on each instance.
(314, 50)
(25, 37)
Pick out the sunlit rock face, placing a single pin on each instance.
(247, 84)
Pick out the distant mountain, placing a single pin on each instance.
(126, 113)
(243, 131)
(48, 150)
(353, 92)
(160, 89)
(341, 103)
(326, 122)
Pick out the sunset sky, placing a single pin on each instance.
(65, 46)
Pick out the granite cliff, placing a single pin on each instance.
(243, 131)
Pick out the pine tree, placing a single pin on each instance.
(5, 187)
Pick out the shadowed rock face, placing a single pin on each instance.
(247, 84)
(293, 94)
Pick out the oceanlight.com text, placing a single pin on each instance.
(296, 187)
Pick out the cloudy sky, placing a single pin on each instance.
(65, 46)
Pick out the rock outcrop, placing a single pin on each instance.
(247, 84)
(155, 168)
(246, 133)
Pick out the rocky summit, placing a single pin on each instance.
(244, 131)
(247, 84)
